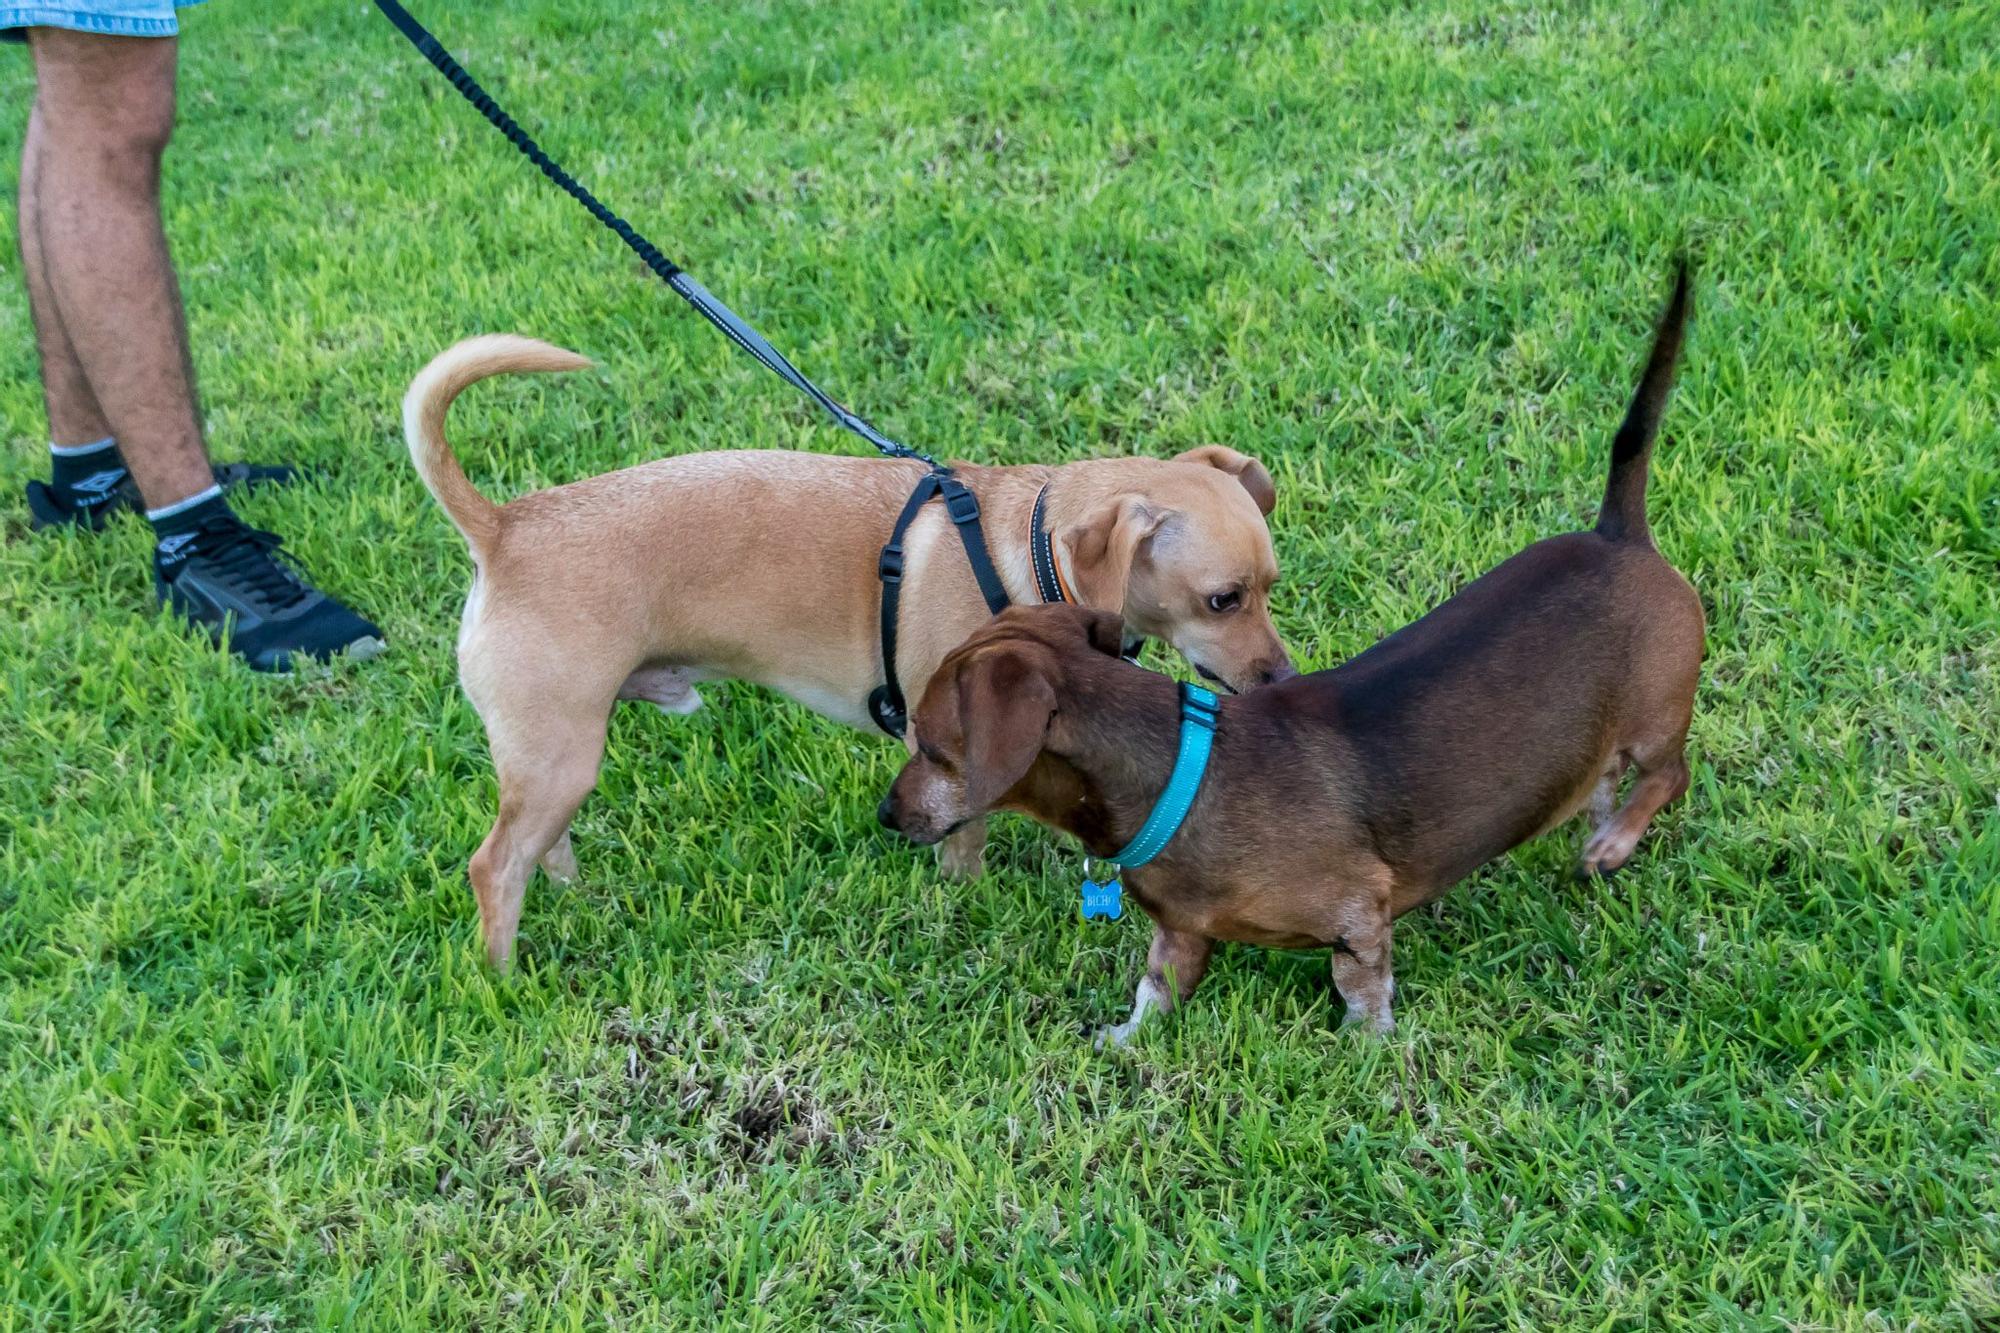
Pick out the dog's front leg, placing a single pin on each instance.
(1362, 975)
(962, 855)
(1174, 967)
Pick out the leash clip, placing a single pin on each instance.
(887, 715)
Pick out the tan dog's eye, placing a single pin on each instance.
(1224, 602)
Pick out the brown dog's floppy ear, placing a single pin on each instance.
(1243, 467)
(1004, 706)
(1105, 631)
(1101, 549)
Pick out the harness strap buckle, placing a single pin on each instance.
(960, 503)
(890, 567)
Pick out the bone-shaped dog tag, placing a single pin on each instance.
(1102, 899)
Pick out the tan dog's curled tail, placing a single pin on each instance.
(424, 406)
(1623, 515)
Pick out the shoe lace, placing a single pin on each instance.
(250, 558)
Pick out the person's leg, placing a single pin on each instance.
(104, 111)
(87, 474)
(75, 419)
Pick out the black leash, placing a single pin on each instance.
(886, 704)
(683, 283)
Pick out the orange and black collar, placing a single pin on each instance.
(1042, 555)
(1049, 581)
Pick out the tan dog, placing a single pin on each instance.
(1333, 803)
(761, 566)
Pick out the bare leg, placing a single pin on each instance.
(962, 855)
(1174, 967)
(104, 109)
(74, 416)
(1660, 781)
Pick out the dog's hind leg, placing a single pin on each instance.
(559, 861)
(1663, 776)
(547, 743)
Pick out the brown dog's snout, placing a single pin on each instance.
(1281, 670)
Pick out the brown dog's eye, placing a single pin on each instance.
(1223, 602)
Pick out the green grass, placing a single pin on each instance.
(759, 1067)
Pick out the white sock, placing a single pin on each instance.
(83, 450)
(182, 506)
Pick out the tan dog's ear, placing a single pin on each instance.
(1005, 703)
(1243, 467)
(1105, 631)
(1101, 550)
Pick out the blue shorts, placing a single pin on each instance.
(117, 18)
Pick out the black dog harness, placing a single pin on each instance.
(886, 704)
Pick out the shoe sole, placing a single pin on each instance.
(285, 661)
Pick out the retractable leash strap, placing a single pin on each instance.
(886, 704)
(696, 295)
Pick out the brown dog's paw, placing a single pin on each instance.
(1372, 1024)
(1605, 854)
(1115, 1037)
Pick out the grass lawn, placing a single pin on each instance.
(759, 1067)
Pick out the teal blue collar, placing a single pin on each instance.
(1198, 716)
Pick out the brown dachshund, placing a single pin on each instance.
(1333, 803)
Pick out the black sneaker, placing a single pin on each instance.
(91, 504)
(229, 579)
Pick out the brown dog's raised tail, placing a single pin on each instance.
(448, 375)
(1623, 516)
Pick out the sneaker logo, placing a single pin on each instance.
(96, 488)
(171, 547)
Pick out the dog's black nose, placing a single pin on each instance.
(1282, 671)
(886, 813)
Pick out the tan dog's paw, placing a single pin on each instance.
(559, 861)
(962, 855)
